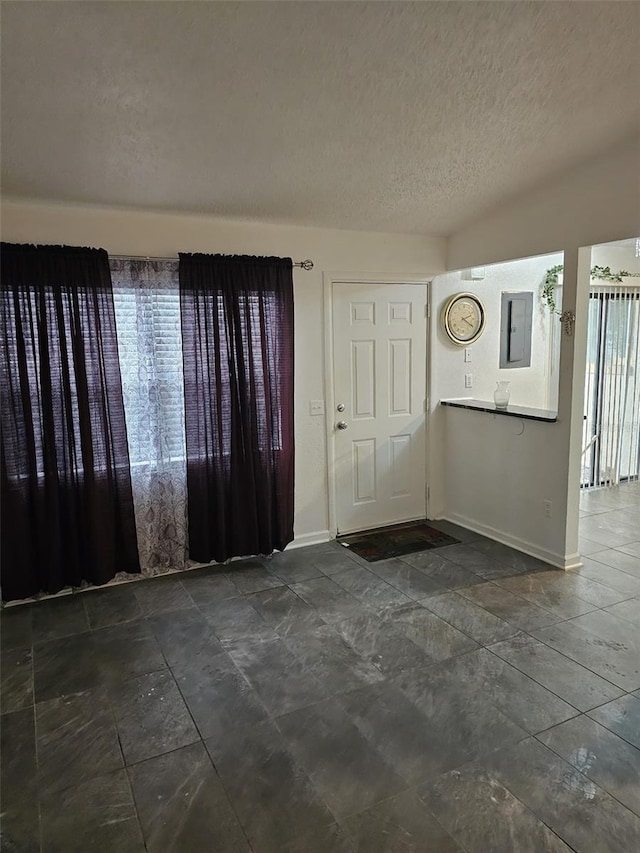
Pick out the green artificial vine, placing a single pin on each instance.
(548, 286)
(550, 282)
(605, 274)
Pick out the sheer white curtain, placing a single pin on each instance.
(147, 304)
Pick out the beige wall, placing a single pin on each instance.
(483, 489)
(528, 385)
(496, 477)
(123, 232)
(617, 258)
(594, 203)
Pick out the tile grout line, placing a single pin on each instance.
(126, 764)
(578, 770)
(570, 658)
(535, 681)
(365, 606)
(535, 639)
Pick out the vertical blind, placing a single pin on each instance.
(612, 388)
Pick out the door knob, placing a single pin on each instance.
(341, 425)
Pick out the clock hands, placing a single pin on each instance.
(463, 318)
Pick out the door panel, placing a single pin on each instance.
(399, 462)
(379, 350)
(364, 470)
(400, 377)
(363, 380)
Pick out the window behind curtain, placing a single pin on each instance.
(147, 305)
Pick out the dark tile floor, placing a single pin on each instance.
(463, 699)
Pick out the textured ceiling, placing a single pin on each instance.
(384, 116)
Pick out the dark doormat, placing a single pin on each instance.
(387, 542)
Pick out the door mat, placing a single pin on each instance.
(387, 542)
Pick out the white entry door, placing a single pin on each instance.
(379, 357)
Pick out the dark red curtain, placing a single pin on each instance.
(67, 507)
(237, 338)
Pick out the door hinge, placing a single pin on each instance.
(427, 311)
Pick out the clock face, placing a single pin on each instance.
(463, 318)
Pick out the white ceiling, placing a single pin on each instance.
(385, 116)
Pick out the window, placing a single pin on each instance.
(147, 304)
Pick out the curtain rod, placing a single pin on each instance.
(305, 265)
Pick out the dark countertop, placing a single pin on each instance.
(531, 414)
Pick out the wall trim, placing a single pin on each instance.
(558, 561)
(573, 561)
(317, 537)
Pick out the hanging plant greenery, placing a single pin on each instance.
(605, 274)
(550, 282)
(549, 285)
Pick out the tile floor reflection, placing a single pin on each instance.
(464, 699)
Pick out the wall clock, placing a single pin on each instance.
(463, 318)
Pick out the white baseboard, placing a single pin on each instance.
(572, 561)
(317, 537)
(558, 561)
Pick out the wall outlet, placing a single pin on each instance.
(316, 407)
(548, 509)
(468, 380)
(467, 354)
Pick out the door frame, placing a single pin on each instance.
(329, 279)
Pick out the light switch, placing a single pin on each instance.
(467, 354)
(316, 407)
(468, 380)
